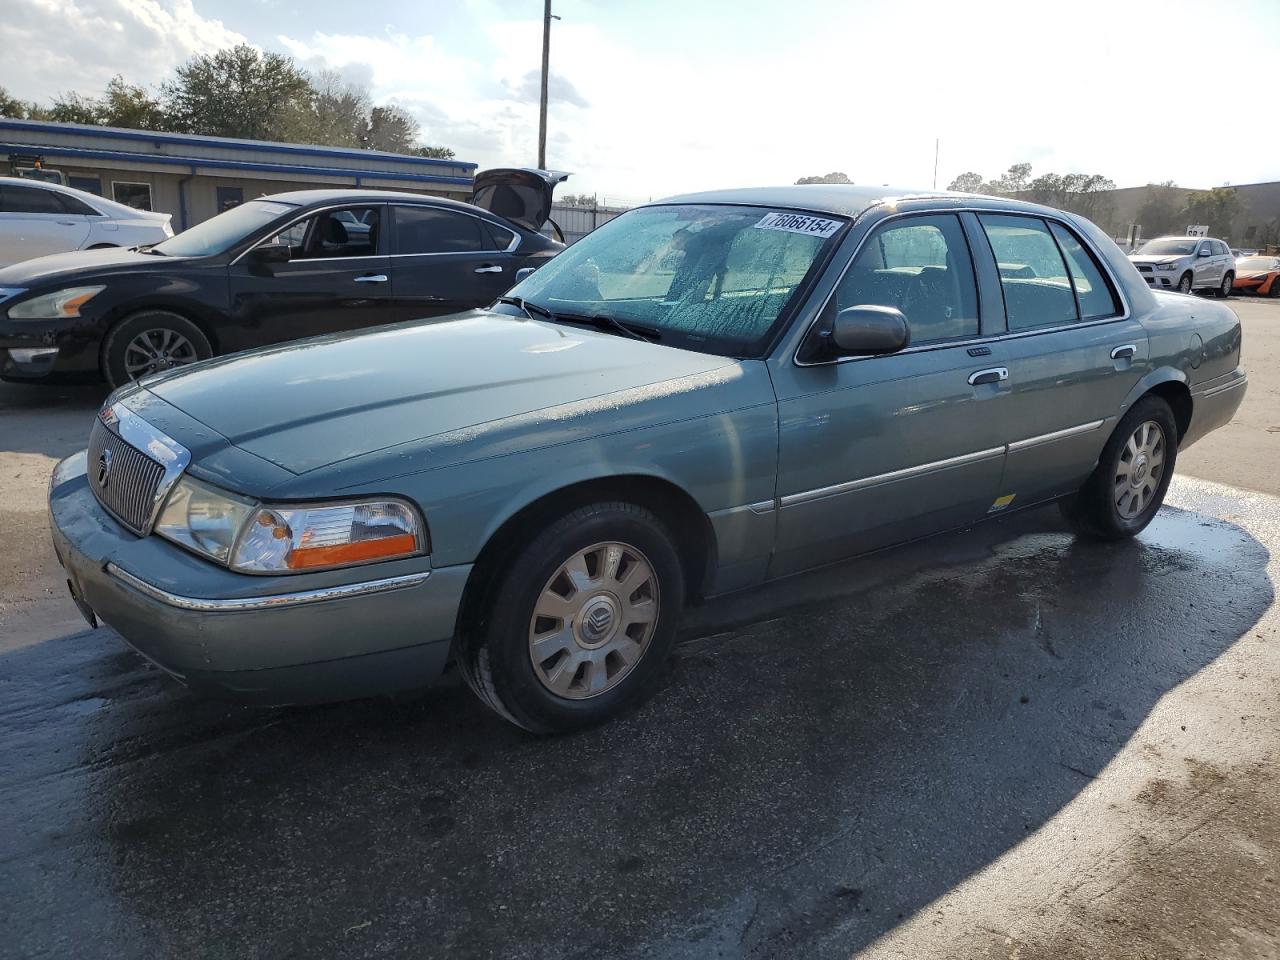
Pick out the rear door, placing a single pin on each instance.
(1072, 353)
(34, 223)
(338, 278)
(447, 260)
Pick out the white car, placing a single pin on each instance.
(38, 218)
(1186, 263)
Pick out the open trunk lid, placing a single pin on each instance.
(521, 196)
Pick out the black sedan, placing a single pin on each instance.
(273, 269)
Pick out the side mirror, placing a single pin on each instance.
(1206, 252)
(869, 330)
(524, 272)
(271, 253)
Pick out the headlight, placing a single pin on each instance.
(203, 518)
(1167, 266)
(255, 538)
(293, 539)
(59, 305)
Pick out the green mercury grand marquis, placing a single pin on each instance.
(706, 393)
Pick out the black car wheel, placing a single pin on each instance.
(149, 342)
(578, 625)
(1275, 288)
(1184, 284)
(1228, 280)
(1128, 486)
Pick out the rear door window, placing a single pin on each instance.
(433, 230)
(1033, 276)
(1094, 293)
(921, 266)
(19, 199)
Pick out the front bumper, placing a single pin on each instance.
(33, 351)
(314, 637)
(1161, 279)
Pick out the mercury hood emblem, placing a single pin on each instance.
(104, 469)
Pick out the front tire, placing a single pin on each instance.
(1184, 283)
(579, 626)
(1228, 280)
(149, 342)
(1127, 488)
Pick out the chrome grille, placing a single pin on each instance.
(1144, 267)
(123, 478)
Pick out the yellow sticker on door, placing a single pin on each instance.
(1002, 502)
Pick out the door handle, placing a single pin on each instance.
(1124, 353)
(489, 268)
(67, 223)
(990, 375)
(372, 278)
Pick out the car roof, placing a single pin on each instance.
(306, 197)
(845, 199)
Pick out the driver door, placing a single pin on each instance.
(338, 277)
(880, 449)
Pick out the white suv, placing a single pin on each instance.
(39, 218)
(1186, 263)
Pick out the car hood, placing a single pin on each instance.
(77, 263)
(313, 403)
(1152, 258)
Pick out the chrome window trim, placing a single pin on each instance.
(153, 442)
(1056, 435)
(793, 499)
(274, 601)
(1125, 313)
(511, 248)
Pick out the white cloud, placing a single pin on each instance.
(54, 46)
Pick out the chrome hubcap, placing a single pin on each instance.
(593, 620)
(1139, 471)
(155, 350)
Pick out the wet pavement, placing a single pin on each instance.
(827, 758)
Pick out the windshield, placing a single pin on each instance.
(219, 234)
(705, 277)
(1173, 247)
(1258, 263)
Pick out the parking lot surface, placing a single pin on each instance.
(1001, 743)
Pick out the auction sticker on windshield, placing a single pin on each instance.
(798, 223)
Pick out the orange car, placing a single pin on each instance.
(1260, 275)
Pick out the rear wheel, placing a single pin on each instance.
(1275, 288)
(578, 627)
(1128, 486)
(149, 342)
(1184, 284)
(1228, 279)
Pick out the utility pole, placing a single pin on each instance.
(937, 142)
(542, 107)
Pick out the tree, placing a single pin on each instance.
(836, 177)
(73, 108)
(128, 105)
(1014, 180)
(1161, 209)
(11, 106)
(968, 182)
(238, 92)
(435, 153)
(1218, 208)
(390, 128)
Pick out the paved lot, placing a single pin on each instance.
(1004, 743)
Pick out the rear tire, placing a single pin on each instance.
(1228, 280)
(1184, 283)
(1274, 292)
(578, 627)
(148, 342)
(1127, 488)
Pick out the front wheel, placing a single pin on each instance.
(1228, 280)
(149, 342)
(1184, 284)
(578, 627)
(1128, 486)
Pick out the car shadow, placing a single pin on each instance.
(827, 756)
(49, 419)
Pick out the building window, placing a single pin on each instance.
(136, 195)
(87, 184)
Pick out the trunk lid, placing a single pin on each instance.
(522, 196)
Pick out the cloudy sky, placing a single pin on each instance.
(661, 96)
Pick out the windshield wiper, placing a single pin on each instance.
(150, 248)
(600, 321)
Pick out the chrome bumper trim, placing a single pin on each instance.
(1223, 388)
(239, 604)
(1056, 435)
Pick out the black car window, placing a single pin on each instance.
(500, 236)
(1033, 275)
(1095, 294)
(348, 232)
(921, 265)
(16, 199)
(74, 205)
(433, 230)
